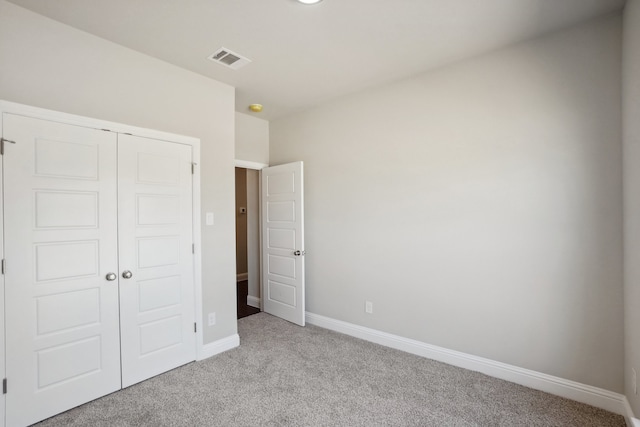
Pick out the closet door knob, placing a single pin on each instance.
(111, 276)
(127, 274)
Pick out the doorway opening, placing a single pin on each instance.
(247, 242)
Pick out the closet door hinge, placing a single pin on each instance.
(2, 266)
(195, 327)
(2, 142)
(193, 248)
(4, 386)
(193, 168)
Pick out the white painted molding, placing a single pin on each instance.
(3, 399)
(598, 397)
(253, 301)
(629, 416)
(242, 276)
(72, 119)
(219, 346)
(250, 165)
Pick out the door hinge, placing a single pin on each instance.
(193, 248)
(2, 142)
(2, 266)
(195, 327)
(193, 168)
(4, 386)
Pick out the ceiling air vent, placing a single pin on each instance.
(228, 58)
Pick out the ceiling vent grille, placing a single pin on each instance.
(228, 58)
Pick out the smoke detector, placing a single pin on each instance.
(228, 58)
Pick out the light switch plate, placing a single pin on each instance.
(209, 218)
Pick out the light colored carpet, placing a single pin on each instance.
(285, 375)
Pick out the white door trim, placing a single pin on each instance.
(2, 290)
(257, 302)
(72, 119)
(250, 165)
(56, 116)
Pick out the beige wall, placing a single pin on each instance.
(252, 145)
(252, 139)
(46, 64)
(631, 132)
(479, 206)
(253, 232)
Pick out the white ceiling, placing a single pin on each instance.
(304, 55)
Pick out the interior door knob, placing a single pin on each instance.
(298, 253)
(111, 276)
(127, 274)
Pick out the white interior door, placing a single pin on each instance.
(62, 336)
(283, 242)
(155, 241)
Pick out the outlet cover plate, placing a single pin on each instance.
(368, 307)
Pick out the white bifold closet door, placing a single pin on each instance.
(82, 208)
(62, 321)
(155, 239)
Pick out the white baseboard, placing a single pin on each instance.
(219, 346)
(253, 301)
(629, 416)
(598, 397)
(242, 276)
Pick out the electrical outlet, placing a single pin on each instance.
(368, 307)
(634, 381)
(212, 319)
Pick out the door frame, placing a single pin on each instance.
(257, 166)
(71, 119)
(3, 374)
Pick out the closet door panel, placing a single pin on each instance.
(155, 238)
(62, 332)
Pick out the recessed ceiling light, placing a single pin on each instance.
(309, 1)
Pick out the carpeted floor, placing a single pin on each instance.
(284, 375)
